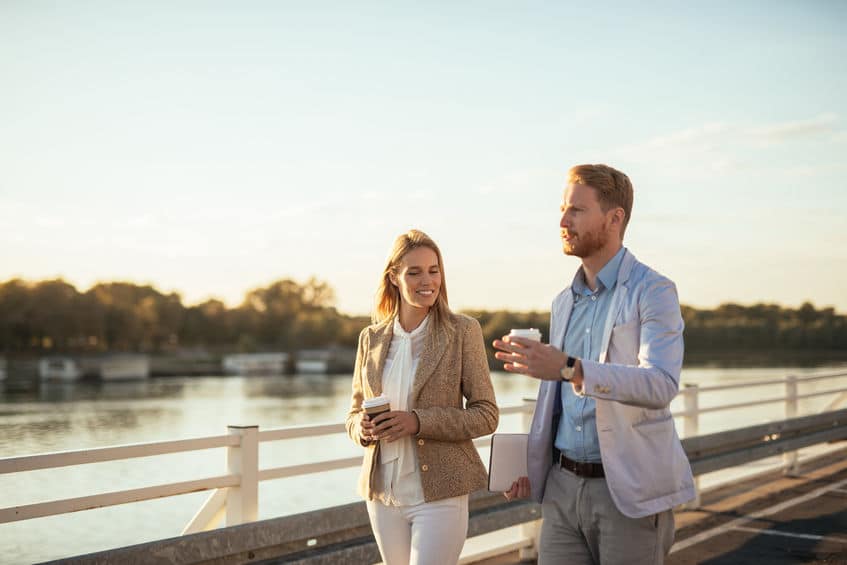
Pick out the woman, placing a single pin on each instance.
(420, 462)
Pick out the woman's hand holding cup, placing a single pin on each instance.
(366, 429)
(379, 422)
(394, 425)
(372, 408)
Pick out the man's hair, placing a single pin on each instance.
(614, 189)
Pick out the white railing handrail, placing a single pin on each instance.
(771, 382)
(294, 432)
(58, 459)
(737, 405)
(112, 453)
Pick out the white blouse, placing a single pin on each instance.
(398, 477)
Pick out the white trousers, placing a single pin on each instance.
(432, 533)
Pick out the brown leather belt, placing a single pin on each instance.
(589, 470)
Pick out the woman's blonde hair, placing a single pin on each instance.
(387, 303)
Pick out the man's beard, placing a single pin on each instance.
(587, 243)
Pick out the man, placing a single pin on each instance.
(604, 459)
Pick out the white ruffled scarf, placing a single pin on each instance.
(397, 386)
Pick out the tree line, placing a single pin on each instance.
(52, 316)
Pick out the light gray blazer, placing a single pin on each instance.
(633, 384)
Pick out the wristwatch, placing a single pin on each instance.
(566, 372)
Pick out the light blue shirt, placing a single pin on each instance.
(577, 433)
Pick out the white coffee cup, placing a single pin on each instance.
(376, 405)
(528, 333)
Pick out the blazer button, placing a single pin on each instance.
(420, 442)
(424, 468)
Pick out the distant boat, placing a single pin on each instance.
(59, 369)
(325, 361)
(255, 363)
(123, 367)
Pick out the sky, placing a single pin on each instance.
(208, 148)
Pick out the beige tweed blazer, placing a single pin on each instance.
(452, 367)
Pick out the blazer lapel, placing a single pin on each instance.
(618, 300)
(559, 323)
(434, 346)
(379, 344)
(614, 309)
(558, 326)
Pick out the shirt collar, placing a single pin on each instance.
(607, 276)
(399, 331)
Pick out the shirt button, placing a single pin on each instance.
(424, 468)
(588, 330)
(579, 428)
(593, 298)
(420, 442)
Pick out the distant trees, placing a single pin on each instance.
(53, 316)
(764, 326)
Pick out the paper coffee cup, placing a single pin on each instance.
(376, 405)
(528, 333)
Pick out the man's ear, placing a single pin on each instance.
(618, 216)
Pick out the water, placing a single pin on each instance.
(61, 417)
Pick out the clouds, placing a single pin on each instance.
(721, 147)
(711, 136)
(787, 131)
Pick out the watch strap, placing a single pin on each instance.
(566, 372)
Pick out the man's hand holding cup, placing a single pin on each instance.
(522, 352)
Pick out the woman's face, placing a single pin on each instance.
(418, 278)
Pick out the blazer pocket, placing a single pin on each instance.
(633, 326)
(625, 342)
(470, 452)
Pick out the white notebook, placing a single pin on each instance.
(507, 462)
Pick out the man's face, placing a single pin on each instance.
(584, 225)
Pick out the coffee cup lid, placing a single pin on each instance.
(375, 401)
(525, 331)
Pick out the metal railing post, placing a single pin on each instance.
(242, 502)
(790, 460)
(529, 530)
(691, 428)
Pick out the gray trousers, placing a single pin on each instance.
(582, 525)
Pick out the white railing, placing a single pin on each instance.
(234, 496)
(692, 411)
